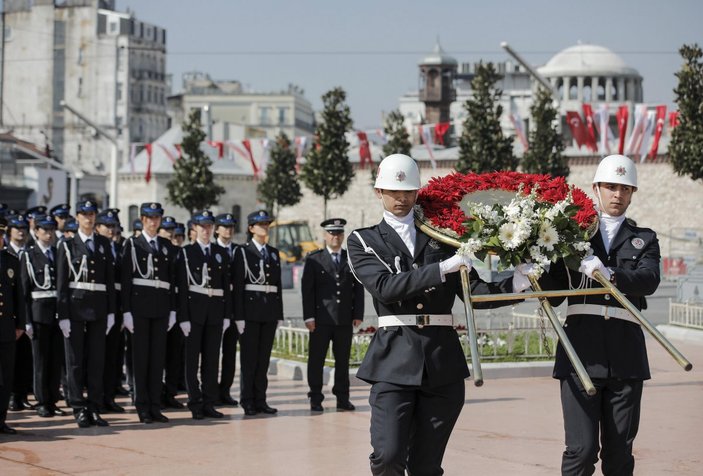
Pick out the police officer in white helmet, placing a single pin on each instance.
(607, 339)
(415, 363)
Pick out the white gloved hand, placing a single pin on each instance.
(185, 327)
(110, 322)
(240, 326)
(29, 330)
(171, 320)
(453, 264)
(225, 325)
(128, 322)
(520, 279)
(65, 326)
(592, 263)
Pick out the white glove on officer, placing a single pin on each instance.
(171, 320)
(520, 279)
(185, 327)
(240, 326)
(453, 264)
(110, 322)
(29, 330)
(592, 263)
(225, 325)
(65, 326)
(128, 322)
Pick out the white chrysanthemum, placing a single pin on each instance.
(548, 237)
(510, 236)
(582, 245)
(538, 257)
(471, 246)
(512, 210)
(557, 209)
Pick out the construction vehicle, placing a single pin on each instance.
(293, 239)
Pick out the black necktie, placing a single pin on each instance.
(153, 246)
(265, 254)
(89, 245)
(335, 257)
(49, 256)
(207, 252)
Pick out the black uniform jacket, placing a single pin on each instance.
(41, 310)
(84, 304)
(198, 307)
(257, 305)
(610, 347)
(410, 355)
(12, 304)
(148, 301)
(332, 297)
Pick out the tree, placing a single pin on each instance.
(192, 186)
(482, 147)
(544, 154)
(686, 146)
(397, 134)
(327, 171)
(280, 187)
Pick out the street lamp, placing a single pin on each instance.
(113, 153)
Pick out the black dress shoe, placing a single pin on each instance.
(197, 414)
(316, 407)
(209, 411)
(6, 430)
(348, 406)
(228, 400)
(44, 411)
(159, 417)
(112, 407)
(16, 404)
(57, 410)
(26, 404)
(83, 419)
(171, 402)
(249, 411)
(145, 418)
(266, 409)
(121, 391)
(97, 420)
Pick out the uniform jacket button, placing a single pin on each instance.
(607, 297)
(420, 305)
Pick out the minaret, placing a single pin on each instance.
(436, 88)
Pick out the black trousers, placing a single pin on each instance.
(148, 358)
(229, 359)
(256, 344)
(47, 348)
(113, 362)
(202, 343)
(86, 343)
(613, 413)
(410, 427)
(7, 375)
(175, 346)
(341, 337)
(24, 368)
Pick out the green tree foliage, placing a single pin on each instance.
(482, 146)
(686, 146)
(544, 154)
(327, 170)
(280, 187)
(397, 135)
(192, 185)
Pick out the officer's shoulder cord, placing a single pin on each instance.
(135, 263)
(82, 269)
(191, 279)
(248, 273)
(370, 250)
(47, 275)
(582, 283)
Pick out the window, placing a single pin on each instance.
(264, 115)
(8, 33)
(113, 26)
(282, 115)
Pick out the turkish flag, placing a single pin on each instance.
(578, 129)
(220, 146)
(440, 129)
(590, 127)
(659, 128)
(147, 176)
(622, 115)
(364, 149)
(673, 119)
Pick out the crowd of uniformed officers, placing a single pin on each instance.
(84, 309)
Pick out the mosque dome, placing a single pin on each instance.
(438, 56)
(587, 60)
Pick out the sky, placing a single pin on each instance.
(372, 48)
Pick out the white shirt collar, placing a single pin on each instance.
(609, 226)
(404, 226)
(223, 244)
(258, 246)
(203, 246)
(85, 237)
(330, 251)
(42, 247)
(16, 248)
(148, 237)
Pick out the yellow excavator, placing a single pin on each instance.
(292, 238)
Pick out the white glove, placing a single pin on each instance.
(240, 326)
(65, 326)
(185, 327)
(225, 325)
(171, 320)
(520, 280)
(110, 322)
(592, 263)
(29, 330)
(453, 264)
(128, 322)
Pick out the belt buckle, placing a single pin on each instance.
(605, 313)
(422, 320)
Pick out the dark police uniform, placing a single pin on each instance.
(86, 296)
(38, 270)
(333, 298)
(613, 351)
(12, 320)
(258, 301)
(149, 295)
(205, 302)
(417, 372)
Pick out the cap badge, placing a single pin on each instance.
(109, 214)
(400, 176)
(262, 213)
(229, 217)
(620, 171)
(88, 204)
(206, 214)
(153, 206)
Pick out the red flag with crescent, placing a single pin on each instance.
(590, 127)
(622, 116)
(364, 149)
(147, 176)
(578, 129)
(660, 119)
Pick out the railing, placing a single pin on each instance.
(686, 315)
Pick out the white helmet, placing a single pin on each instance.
(616, 169)
(398, 172)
